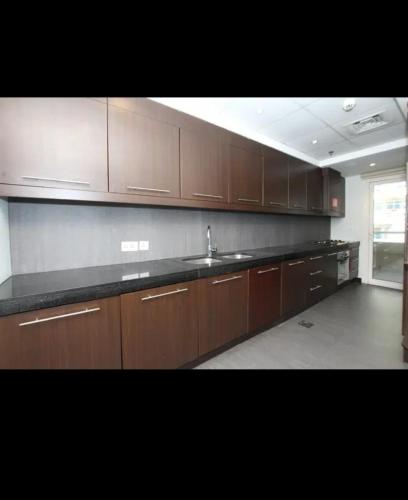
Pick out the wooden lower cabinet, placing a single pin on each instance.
(294, 282)
(84, 335)
(223, 310)
(160, 326)
(264, 296)
(331, 272)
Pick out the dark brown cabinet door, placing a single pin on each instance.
(223, 310)
(315, 189)
(334, 192)
(276, 179)
(85, 335)
(245, 176)
(160, 327)
(204, 158)
(54, 142)
(264, 296)
(297, 184)
(294, 283)
(143, 155)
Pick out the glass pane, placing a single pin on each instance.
(389, 231)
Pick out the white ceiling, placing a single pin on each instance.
(394, 158)
(291, 124)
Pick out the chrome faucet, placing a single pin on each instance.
(211, 249)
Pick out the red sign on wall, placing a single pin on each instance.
(335, 202)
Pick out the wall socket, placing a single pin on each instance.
(130, 246)
(143, 245)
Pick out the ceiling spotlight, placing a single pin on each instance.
(349, 103)
(314, 141)
(372, 164)
(259, 111)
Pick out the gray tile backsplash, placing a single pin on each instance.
(51, 236)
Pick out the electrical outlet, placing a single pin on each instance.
(130, 246)
(143, 245)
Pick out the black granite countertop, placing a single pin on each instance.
(28, 292)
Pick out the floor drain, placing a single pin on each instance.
(306, 324)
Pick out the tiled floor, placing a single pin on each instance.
(357, 327)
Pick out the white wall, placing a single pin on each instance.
(5, 264)
(355, 226)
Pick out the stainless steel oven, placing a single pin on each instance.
(343, 266)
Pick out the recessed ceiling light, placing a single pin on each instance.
(349, 103)
(372, 164)
(259, 111)
(314, 141)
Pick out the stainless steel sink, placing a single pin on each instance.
(237, 256)
(202, 260)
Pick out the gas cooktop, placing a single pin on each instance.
(330, 243)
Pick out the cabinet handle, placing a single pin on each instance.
(150, 297)
(315, 258)
(331, 254)
(315, 288)
(53, 179)
(228, 279)
(277, 204)
(208, 195)
(298, 206)
(316, 272)
(269, 270)
(317, 208)
(297, 263)
(52, 318)
(137, 188)
(248, 199)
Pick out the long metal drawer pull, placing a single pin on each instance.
(297, 263)
(138, 188)
(315, 288)
(61, 316)
(276, 203)
(331, 254)
(316, 272)
(228, 279)
(316, 208)
(179, 290)
(53, 179)
(269, 270)
(315, 258)
(248, 199)
(208, 195)
(299, 206)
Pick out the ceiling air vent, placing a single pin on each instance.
(368, 124)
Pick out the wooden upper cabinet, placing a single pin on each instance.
(84, 335)
(143, 155)
(314, 189)
(276, 180)
(160, 326)
(245, 176)
(54, 142)
(334, 192)
(204, 159)
(297, 184)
